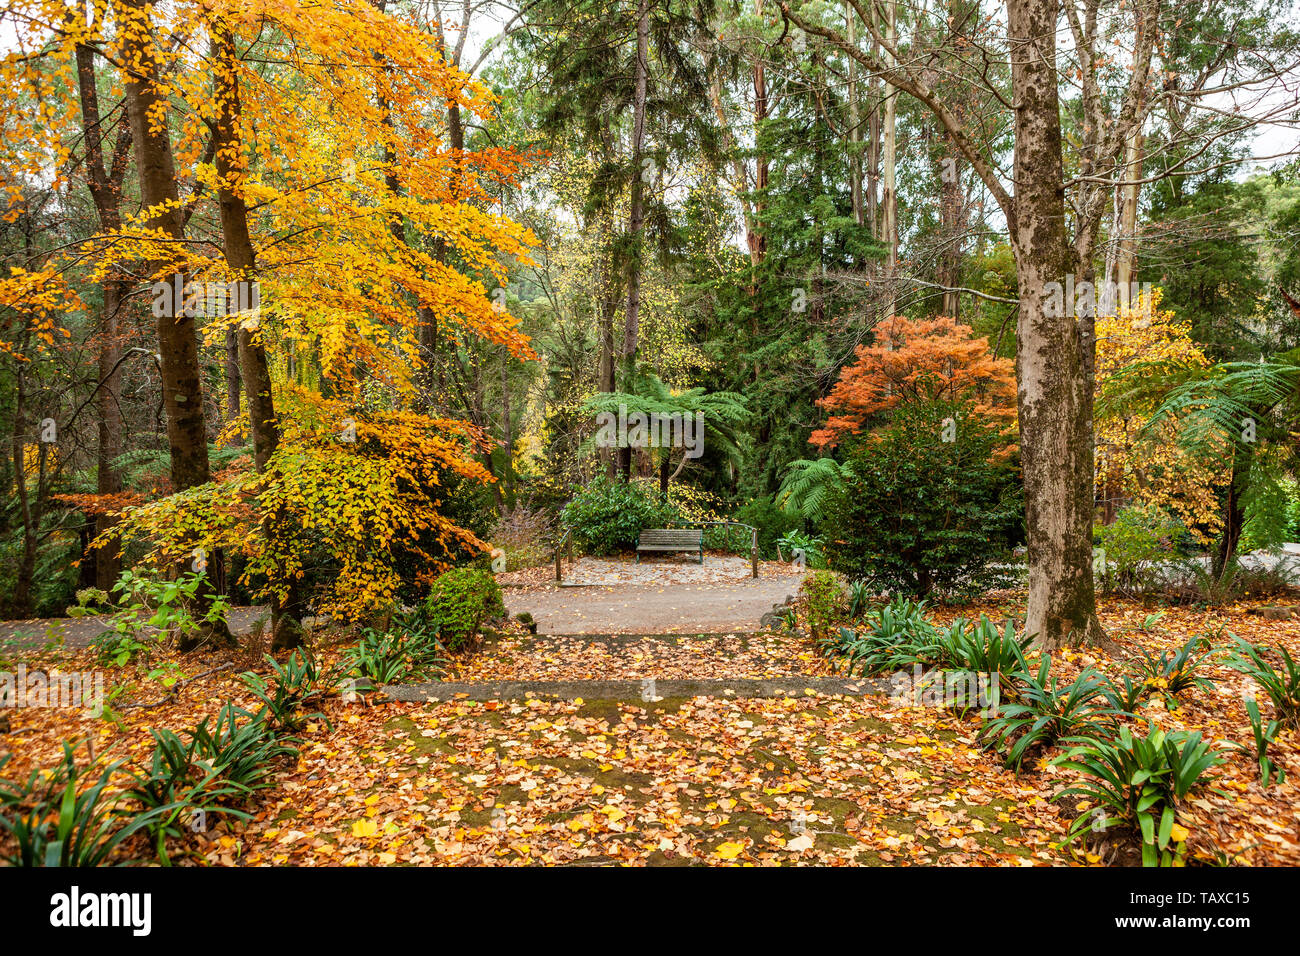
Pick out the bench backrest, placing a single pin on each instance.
(685, 537)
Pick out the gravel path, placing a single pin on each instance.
(668, 608)
(644, 609)
(77, 632)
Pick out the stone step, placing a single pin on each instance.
(646, 689)
(635, 638)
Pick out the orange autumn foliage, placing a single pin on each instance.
(917, 361)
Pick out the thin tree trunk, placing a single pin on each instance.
(178, 343)
(20, 602)
(105, 189)
(241, 258)
(889, 162)
(177, 336)
(873, 138)
(233, 382)
(508, 441)
(855, 125)
(1121, 251)
(1234, 515)
(636, 211)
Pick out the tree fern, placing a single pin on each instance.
(723, 411)
(808, 484)
(1220, 406)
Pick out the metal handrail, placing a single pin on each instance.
(753, 537)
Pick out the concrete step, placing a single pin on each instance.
(616, 639)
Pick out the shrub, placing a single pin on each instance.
(53, 820)
(178, 785)
(823, 600)
(1138, 781)
(459, 602)
(772, 523)
(918, 514)
(1265, 736)
(148, 605)
(860, 597)
(1272, 511)
(796, 545)
(117, 650)
(1133, 547)
(216, 767)
(1173, 672)
(1264, 581)
(981, 647)
(294, 686)
(244, 752)
(1127, 694)
(605, 516)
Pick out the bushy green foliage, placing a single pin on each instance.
(899, 635)
(808, 484)
(242, 746)
(1171, 673)
(895, 637)
(771, 521)
(402, 653)
(860, 597)
(1132, 546)
(983, 647)
(186, 781)
(1044, 713)
(294, 686)
(917, 514)
(1125, 693)
(824, 601)
(55, 819)
(1265, 736)
(607, 515)
(1282, 686)
(148, 608)
(801, 546)
(1272, 510)
(1137, 782)
(458, 604)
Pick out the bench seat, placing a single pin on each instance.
(670, 539)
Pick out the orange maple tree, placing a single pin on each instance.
(917, 361)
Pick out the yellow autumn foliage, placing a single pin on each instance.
(1152, 470)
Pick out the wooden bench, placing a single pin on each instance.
(670, 539)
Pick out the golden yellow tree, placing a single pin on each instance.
(289, 144)
(1135, 465)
